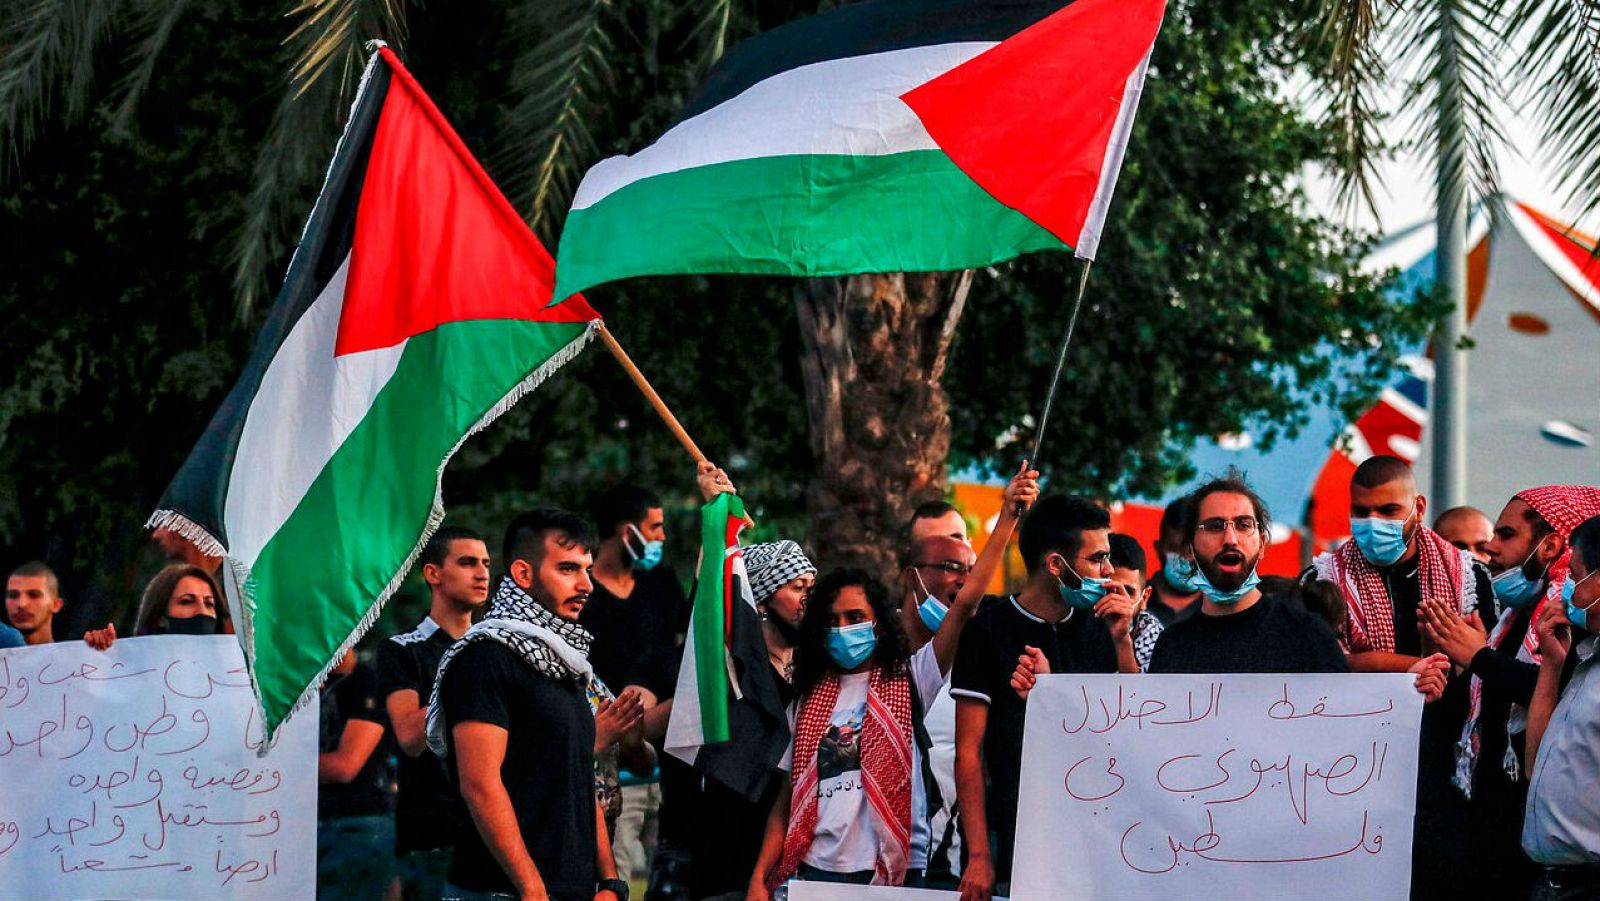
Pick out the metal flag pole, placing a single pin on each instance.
(1055, 380)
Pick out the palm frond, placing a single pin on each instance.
(1562, 73)
(1354, 75)
(156, 21)
(328, 49)
(47, 65)
(555, 85)
(709, 28)
(1454, 89)
(331, 36)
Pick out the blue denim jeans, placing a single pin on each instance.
(355, 858)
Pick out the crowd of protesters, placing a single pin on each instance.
(510, 745)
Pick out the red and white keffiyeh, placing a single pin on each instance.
(1441, 573)
(886, 772)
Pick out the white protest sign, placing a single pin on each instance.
(1203, 788)
(132, 774)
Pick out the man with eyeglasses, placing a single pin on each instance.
(942, 582)
(1392, 569)
(1238, 629)
(1070, 615)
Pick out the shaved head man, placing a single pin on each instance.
(1468, 529)
(938, 518)
(33, 598)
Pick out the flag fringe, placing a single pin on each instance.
(188, 528)
(522, 389)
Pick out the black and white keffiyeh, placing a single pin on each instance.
(772, 564)
(554, 647)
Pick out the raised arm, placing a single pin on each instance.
(1022, 491)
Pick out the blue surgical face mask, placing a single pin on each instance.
(1178, 572)
(649, 554)
(1578, 615)
(932, 610)
(850, 646)
(1087, 594)
(1382, 541)
(1513, 588)
(1217, 596)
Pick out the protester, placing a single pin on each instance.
(1067, 614)
(428, 810)
(1175, 596)
(862, 693)
(512, 715)
(1529, 552)
(1128, 573)
(721, 802)
(1468, 529)
(1387, 573)
(937, 518)
(33, 598)
(935, 571)
(182, 599)
(355, 828)
(637, 616)
(1562, 830)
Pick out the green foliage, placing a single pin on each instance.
(1215, 294)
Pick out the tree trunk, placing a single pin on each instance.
(874, 351)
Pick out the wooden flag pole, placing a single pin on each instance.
(650, 394)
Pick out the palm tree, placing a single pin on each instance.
(1455, 64)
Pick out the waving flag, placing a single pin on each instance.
(721, 692)
(881, 136)
(415, 311)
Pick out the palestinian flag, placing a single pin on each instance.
(415, 311)
(881, 136)
(720, 694)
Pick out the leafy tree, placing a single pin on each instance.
(1216, 295)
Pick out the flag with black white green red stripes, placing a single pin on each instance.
(415, 311)
(725, 689)
(880, 136)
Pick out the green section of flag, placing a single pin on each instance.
(319, 577)
(712, 603)
(795, 215)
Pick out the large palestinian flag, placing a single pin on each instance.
(415, 311)
(881, 136)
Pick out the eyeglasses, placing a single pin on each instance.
(949, 566)
(1244, 525)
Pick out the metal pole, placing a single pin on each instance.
(1449, 423)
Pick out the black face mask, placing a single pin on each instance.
(192, 625)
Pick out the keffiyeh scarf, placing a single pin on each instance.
(771, 565)
(1442, 571)
(554, 647)
(1564, 508)
(886, 762)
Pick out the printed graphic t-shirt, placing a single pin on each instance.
(846, 840)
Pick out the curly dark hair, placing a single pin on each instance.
(811, 659)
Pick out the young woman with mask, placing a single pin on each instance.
(860, 693)
(180, 600)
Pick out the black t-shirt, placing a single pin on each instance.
(429, 810)
(354, 696)
(636, 637)
(1158, 603)
(548, 770)
(985, 661)
(1274, 635)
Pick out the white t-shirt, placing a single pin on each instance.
(941, 724)
(846, 840)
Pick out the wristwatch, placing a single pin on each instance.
(615, 886)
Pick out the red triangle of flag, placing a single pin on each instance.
(1032, 120)
(435, 240)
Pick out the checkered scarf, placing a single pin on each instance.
(1370, 625)
(1563, 507)
(771, 565)
(554, 647)
(886, 764)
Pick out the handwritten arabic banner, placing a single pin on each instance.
(1196, 788)
(133, 774)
